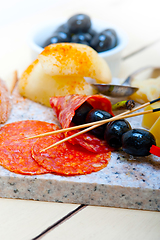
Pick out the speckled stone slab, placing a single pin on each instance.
(127, 181)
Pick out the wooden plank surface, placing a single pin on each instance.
(23, 220)
(148, 57)
(108, 223)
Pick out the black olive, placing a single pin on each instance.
(79, 23)
(110, 31)
(103, 42)
(57, 37)
(83, 42)
(114, 131)
(81, 113)
(92, 32)
(63, 28)
(138, 142)
(81, 38)
(98, 115)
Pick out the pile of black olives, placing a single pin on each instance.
(118, 134)
(78, 29)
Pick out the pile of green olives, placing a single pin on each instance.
(118, 133)
(78, 29)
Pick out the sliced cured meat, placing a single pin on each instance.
(21, 155)
(67, 159)
(15, 150)
(65, 108)
(5, 102)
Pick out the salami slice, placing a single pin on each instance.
(15, 150)
(65, 108)
(67, 159)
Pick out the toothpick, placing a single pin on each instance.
(92, 123)
(118, 117)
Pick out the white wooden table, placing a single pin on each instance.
(23, 219)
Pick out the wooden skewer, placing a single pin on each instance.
(100, 123)
(74, 128)
(93, 123)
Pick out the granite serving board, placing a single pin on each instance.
(127, 181)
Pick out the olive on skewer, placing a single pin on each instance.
(118, 133)
(114, 131)
(138, 142)
(98, 115)
(81, 113)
